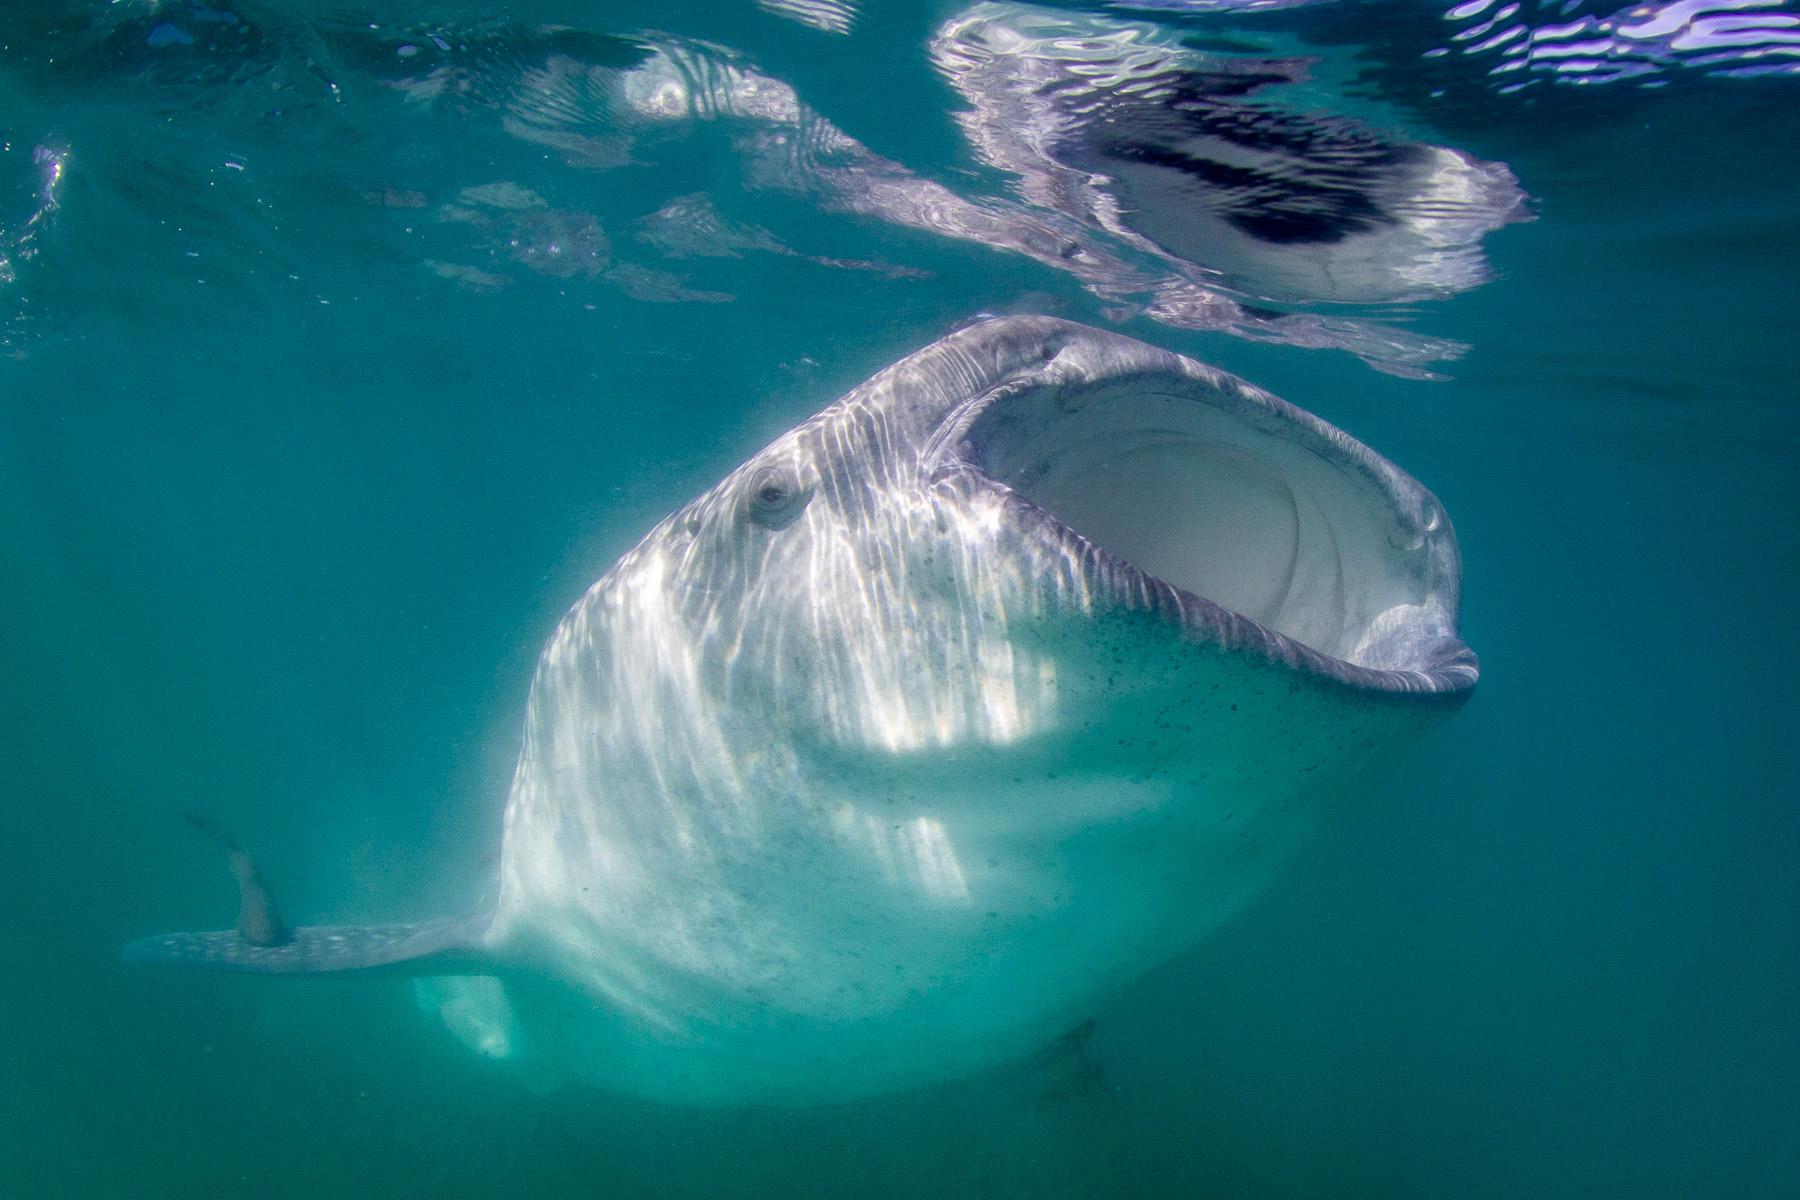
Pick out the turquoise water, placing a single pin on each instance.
(332, 376)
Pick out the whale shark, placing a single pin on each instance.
(1007, 677)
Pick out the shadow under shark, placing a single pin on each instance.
(1000, 681)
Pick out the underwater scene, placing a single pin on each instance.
(900, 598)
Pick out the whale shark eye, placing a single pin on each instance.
(776, 498)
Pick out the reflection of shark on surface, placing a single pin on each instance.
(1143, 170)
(1178, 154)
(1151, 172)
(997, 683)
(1172, 183)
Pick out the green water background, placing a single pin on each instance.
(286, 549)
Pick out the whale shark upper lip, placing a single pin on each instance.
(1059, 366)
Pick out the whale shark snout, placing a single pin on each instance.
(998, 682)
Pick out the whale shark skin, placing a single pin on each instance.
(1007, 677)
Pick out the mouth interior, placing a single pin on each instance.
(1232, 505)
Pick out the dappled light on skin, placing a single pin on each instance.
(914, 854)
(924, 633)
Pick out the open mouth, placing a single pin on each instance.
(1240, 500)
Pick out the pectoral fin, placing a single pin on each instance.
(264, 944)
(417, 948)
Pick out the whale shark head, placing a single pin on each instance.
(1004, 678)
(901, 572)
